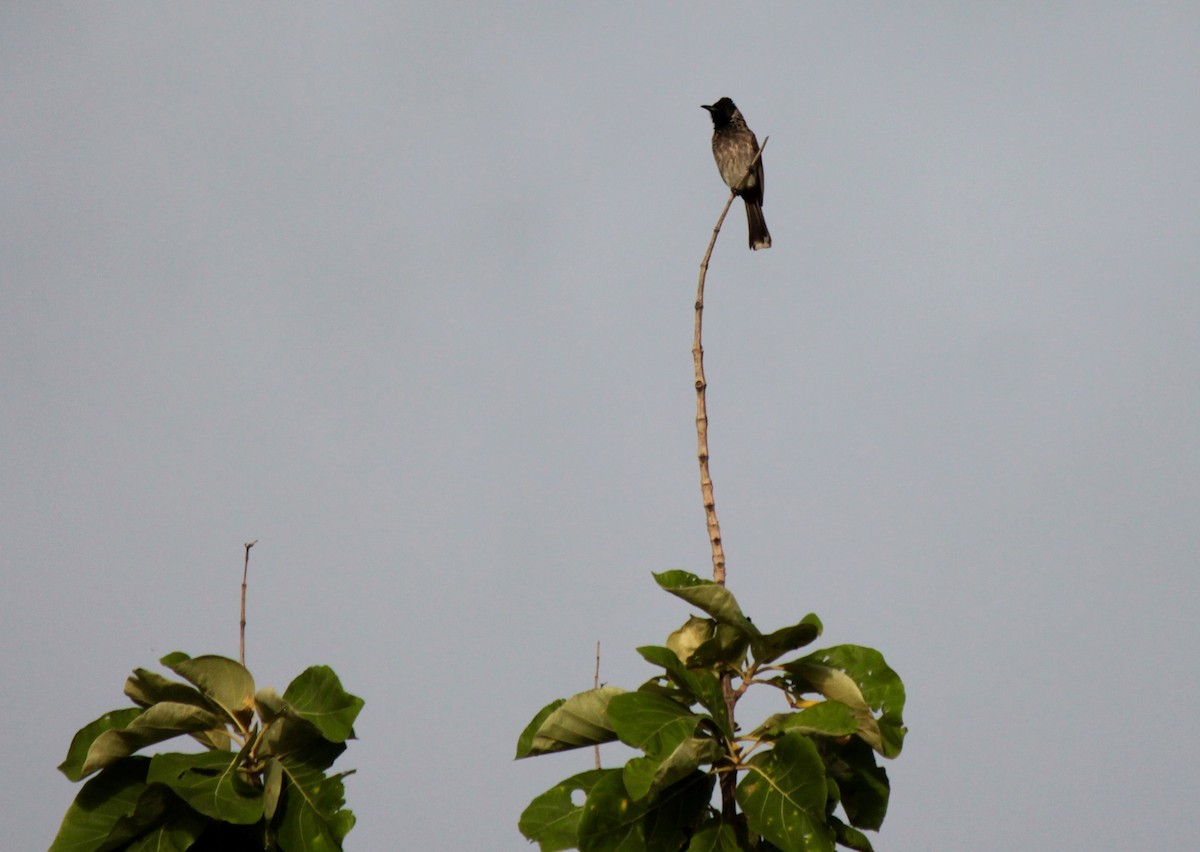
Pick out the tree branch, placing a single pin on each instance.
(242, 629)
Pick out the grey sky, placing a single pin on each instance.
(404, 292)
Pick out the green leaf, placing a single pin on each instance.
(525, 741)
(223, 681)
(691, 635)
(676, 811)
(612, 821)
(651, 774)
(726, 647)
(177, 834)
(311, 816)
(270, 704)
(849, 837)
(859, 678)
(651, 722)
(700, 685)
(212, 782)
(581, 720)
(552, 819)
(783, 796)
(81, 743)
(831, 718)
(711, 597)
(774, 645)
(272, 787)
(118, 809)
(146, 687)
(317, 697)
(290, 733)
(610, 818)
(99, 816)
(864, 785)
(663, 729)
(717, 836)
(153, 725)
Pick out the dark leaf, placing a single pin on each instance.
(774, 645)
(212, 783)
(552, 819)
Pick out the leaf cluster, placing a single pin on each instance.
(809, 776)
(258, 781)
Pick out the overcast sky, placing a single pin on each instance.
(404, 292)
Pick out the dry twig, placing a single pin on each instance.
(242, 630)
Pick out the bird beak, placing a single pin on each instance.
(708, 107)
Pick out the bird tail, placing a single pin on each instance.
(760, 237)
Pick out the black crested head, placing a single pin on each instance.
(722, 111)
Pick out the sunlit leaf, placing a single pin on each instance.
(223, 681)
(859, 678)
(581, 720)
(691, 635)
(831, 718)
(525, 740)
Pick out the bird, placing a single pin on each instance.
(734, 146)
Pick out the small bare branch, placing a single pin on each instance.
(242, 630)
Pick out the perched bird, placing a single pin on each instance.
(734, 146)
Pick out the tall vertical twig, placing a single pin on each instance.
(596, 685)
(242, 629)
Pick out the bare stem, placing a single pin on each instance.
(242, 630)
(596, 685)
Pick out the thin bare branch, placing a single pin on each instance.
(242, 630)
(596, 685)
